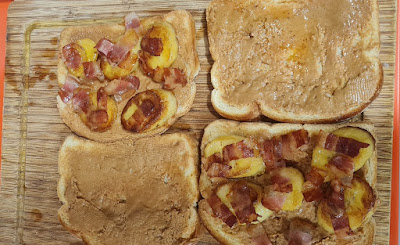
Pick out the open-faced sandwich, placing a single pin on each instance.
(288, 183)
(303, 61)
(127, 80)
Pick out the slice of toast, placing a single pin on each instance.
(276, 227)
(302, 61)
(187, 60)
(142, 192)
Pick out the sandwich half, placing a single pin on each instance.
(288, 183)
(129, 80)
(301, 61)
(142, 192)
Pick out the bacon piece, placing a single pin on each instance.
(281, 183)
(312, 190)
(217, 157)
(71, 55)
(273, 200)
(132, 21)
(261, 240)
(237, 151)
(342, 167)
(67, 90)
(153, 46)
(97, 118)
(93, 71)
(271, 152)
(291, 144)
(241, 198)
(122, 48)
(218, 170)
(104, 46)
(102, 99)
(221, 211)
(81, 101)
(118, 87)
(346, 146)
(174, 78)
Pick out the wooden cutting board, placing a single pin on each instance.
(33, 130)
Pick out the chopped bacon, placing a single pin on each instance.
(218, 170)
(71, 55)
(118, 87)
(102, 99)
(241, 198)
(217, 157)
(346, 146)
(132, 21)
(153, 46)
(272, 154)
(67, 90)
(273, 200)
(121, 49)
(261, 240)
(312, 190)
(342, 167)
(174, 78)
(281, 183)
(96, 118)
(81, 101)
(104, 46)
(221, 211)
(93, 71)
(299, 237)
(237, 151)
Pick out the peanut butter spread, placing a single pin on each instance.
(303, 57)
(141, 193)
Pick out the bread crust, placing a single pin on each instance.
(249, 110)
(181, 143)
(224, 233)
(187, 60)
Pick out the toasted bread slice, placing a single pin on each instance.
(294, 61)
(142, 192)
(276, 227)
(187, 60)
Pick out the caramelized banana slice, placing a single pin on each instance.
(123, 69)
(89, 46)
(148, 110)
(359, 202)
(160, 45)
(247, 167)
(295, 197)
(74, 56)
(101, 112)
(322, 156)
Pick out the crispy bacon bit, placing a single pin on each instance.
(273, 200)
(281, 183)
(237, 151)
(312, 190)
(71, 55)
(97, 118)
(81, 100)
(153, 46)
(241, 198)
(102, 99)
(132, 21)
(218, 170)
(261, 240)
(121, 49)
(174, 78)
(104, 46)
(221, 211)
(217, 157)
(342, 167)
(93, 71)
(272, 154)
(67, 90)
(291, 144)
(298, 237)
(118, 87)
(346, 146)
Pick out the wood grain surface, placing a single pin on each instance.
(33, 130)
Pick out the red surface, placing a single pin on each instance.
(394, 217)
(3, 30)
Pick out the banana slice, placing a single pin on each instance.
(359, 200)
(148, 110)
(71, 52)
(294, 198)
(167, 34)
(123, 69)
(89, 46)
